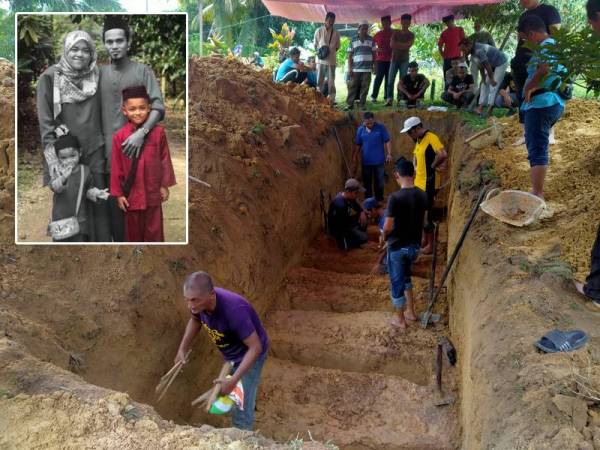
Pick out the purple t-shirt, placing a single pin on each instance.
(232, 321)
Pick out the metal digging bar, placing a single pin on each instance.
(337, 138)
(427, 314)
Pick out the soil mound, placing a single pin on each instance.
(572, 183)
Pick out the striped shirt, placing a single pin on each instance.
(362, 54)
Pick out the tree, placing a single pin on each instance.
(64, 5)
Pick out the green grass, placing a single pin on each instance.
(27, 178)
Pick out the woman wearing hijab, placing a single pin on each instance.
(67, 97)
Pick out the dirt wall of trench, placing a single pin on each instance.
(115, 315)
(510, 286)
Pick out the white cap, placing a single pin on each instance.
(363, 22)
(409, 123)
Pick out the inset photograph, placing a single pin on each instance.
(101, 129)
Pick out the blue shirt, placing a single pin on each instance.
(372, 144)
(551, 97)
(284, 68)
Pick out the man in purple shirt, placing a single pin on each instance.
(236, 330)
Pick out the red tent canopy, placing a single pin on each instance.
(353, 11)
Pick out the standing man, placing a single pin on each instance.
(402, 230)
(542, 103)
(482, 37)
(402, 41)
(449, 41)
(429, 156)
(236, 330)
(518, 65)
(383, 56)
(591, 288)
(374, 146)
(360, 65)
(346, 218)
(114, 78)
(327, 43)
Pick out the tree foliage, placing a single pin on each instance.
(64, 5)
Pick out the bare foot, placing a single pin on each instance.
(579, 287)
(396, 323)
(410, 317)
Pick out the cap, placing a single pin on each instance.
(135, 92)
(463, 65)
(410, 123)
(111, 22)
(353, 185)
(66, 141)
(448, 18)
(370, 203)
(363, 22)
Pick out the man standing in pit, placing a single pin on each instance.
(234, 327)
(591, 288)
(327, 43)
(375, 149)
(114, 78)
(402, 230)
(518, 65)
(429, 157)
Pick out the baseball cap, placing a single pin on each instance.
(370, 203)
(463, 65)
(410, 123)
(353, 185)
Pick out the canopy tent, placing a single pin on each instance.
(353, 11)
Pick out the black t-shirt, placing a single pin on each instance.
(413, 86)
(343, 214)
(548, 13)
(407, 208)
(459, 85)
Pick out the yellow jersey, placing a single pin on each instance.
(425, 151)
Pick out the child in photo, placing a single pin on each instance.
(66, 186)
(141, 184)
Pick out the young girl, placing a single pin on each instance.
(69, 178)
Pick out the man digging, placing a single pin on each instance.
(234, 327)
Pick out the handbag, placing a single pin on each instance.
(68, 227)
(323, 51)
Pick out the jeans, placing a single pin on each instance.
(244, 420)
(374, 175)
(381, 75)
(538, 122)
(399, 266)
(395, 66)
(446, 67)
(592, 282)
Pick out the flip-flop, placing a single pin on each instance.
(562, 341)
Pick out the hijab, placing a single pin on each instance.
(70, 85)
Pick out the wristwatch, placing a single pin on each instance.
(145, 131)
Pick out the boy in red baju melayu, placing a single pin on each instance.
(149, 187)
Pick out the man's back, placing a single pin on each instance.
(407, 207)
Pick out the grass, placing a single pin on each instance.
(27, 178)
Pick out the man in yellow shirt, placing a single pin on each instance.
(429, 156)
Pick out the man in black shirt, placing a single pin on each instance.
(402, 230)
(460, 90)
(412, 87)
(347, 220)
